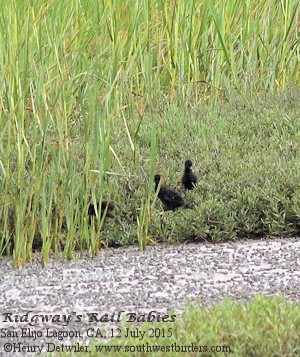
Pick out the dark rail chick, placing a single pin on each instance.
(170, 198)
(101, 210)
(189, 178)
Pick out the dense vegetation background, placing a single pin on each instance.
(131, 88)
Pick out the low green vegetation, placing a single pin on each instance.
(246, 155)
(264, 327)
(97, 96)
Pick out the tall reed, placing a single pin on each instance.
(73, 73)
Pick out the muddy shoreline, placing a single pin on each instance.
(160, 279)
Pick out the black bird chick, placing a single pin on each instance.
(170, 198)
(101, 209)
(189, 178)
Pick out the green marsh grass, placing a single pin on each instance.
(144, 218)
(84, 84)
